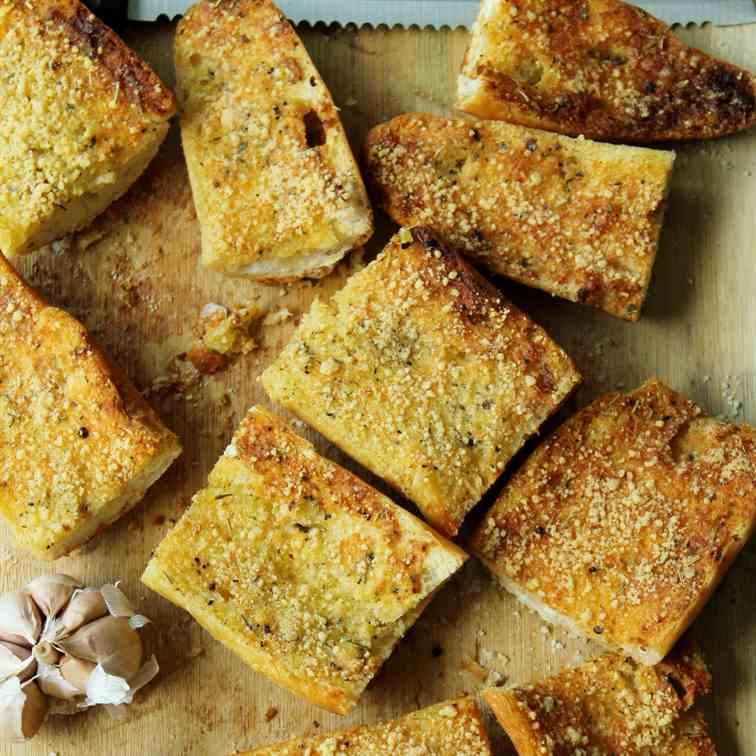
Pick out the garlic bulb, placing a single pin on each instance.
(61, 642)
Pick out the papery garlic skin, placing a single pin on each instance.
(85, 606)
(20, 619)
(22, 710)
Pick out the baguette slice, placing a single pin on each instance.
(82, 116)
(453, 728)
(602, 68)
(575, 218)
(278, 193)
(79, 446)
(623, 522)
(421, 371)
(307, 573)
(610, 705)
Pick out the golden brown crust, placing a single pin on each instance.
(307, 573)
(453, 728)
(116, 62)
(622, 523)
(610, 705)
(79, 446)
(422, 371)
(278, 193)
(82, 117)
(602, 68)
(572, 217)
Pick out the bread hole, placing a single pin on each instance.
(315, 134)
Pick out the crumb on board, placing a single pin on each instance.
(280, 315)
(271, 713)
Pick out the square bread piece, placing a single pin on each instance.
(453, 728)
(602, 68)
(307, 573)
(622, 523)
(575, 218)
(420, 370)
(278, 193)
(610, 706)
(79, 446)
(82, 116)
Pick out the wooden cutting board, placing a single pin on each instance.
(135, 282)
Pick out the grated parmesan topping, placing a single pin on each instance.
(572, 217)
(602, 68)
(74, 436)
(454, 728)
(77, 106)
(611, 705)
(625, 519)
(272, 172)
(300, 561)
(420, 370)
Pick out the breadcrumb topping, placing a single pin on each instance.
(454, 728)
(602, 68)
(77, 107)
(626, 518)
(571, 217)
(422, 371)
(610, 705)
(301, 562)
(75, 437)
(272, 172)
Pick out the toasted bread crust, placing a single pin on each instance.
(610, 705)
(453, 728)
(572, 217)
(278, 193)
(79, 446)
(601, 68)
(83, 116)
(422, 371)
(623, 521)
(307, 573)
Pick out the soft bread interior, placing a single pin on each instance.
(87, 206)
(115, 509)
(646, 656)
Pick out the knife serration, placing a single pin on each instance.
(452, 13)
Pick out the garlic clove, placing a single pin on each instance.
(52, 683)
(52, 592)
(20, 621)
(22, 710)
(15, 661)
(76, 671)
(109, 641)
(85, 606)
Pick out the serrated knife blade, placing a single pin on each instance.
(453, 13)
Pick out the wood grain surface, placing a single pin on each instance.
(138, 287)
